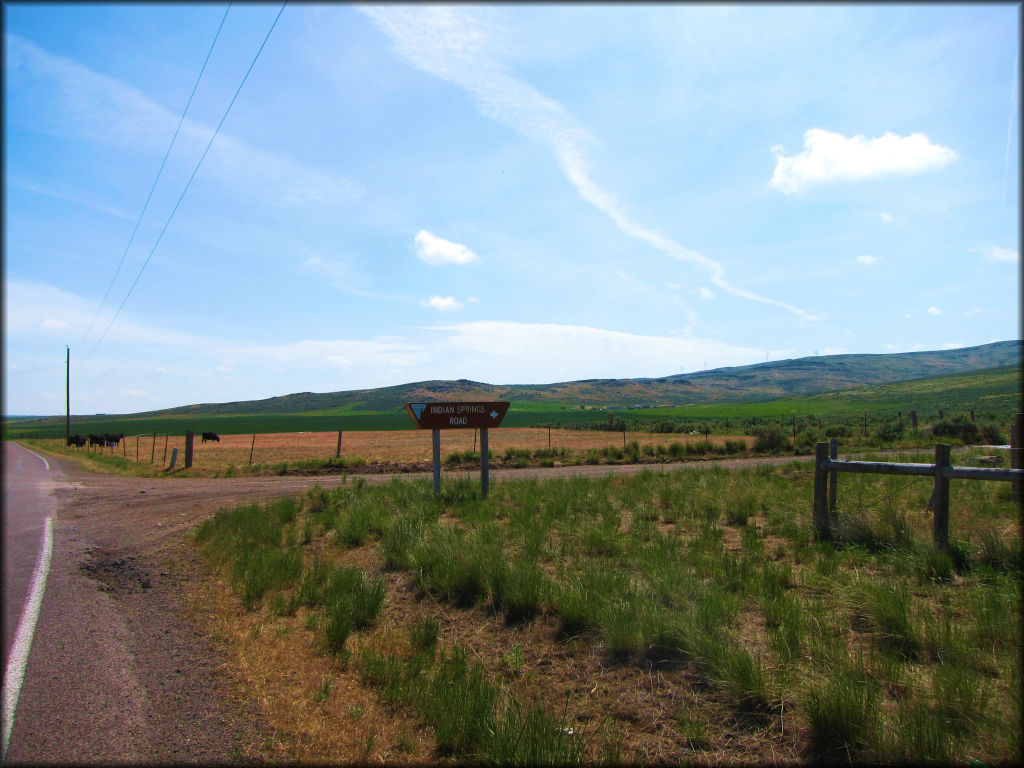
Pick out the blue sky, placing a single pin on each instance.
(510, 194)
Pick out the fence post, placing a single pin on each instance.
(337, 454)
(152, 453)
(1016, 451)
(436, 440)
(833, 480)
(252, 448)
(821, 522)
(189, 435)
(485, 480)
(940, 498)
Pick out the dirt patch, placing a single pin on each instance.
(114, 574)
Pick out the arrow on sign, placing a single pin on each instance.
(417, 408)
(494, 414)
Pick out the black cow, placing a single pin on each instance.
(95, 440)
(211, 436)
(76, 440)
(112, 440)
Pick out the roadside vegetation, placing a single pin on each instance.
(664, 617)
(662, 442)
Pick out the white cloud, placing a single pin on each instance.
(953, 345)
(934, 311)
(442, 303)
(973, 311)
(829, 156)
(452, 44)
(436, 251)
(473, 300)
(705, 292)
(886, 217)
(496, 350)
(996, 253)
(834, 351)
(867, 259)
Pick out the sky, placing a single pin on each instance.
(364, 196)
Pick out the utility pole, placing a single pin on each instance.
(67, 396)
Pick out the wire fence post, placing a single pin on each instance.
(485, 480)
(189, 439)
(833, 480)
(940, 498)
(436, 444)
(152, 453)
(1016, 452)
(253, 446)
(337, 453)
(821, 521)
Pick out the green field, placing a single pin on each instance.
(994, 394)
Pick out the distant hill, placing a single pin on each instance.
(763, 381)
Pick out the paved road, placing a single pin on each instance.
(113, 674)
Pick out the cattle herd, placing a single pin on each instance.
(108, 440)
(112, 441)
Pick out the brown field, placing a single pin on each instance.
(374, 447)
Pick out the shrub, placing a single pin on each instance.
(991, 435)
(889, 431)
(771, 438)
(958, 427)
(735, 446)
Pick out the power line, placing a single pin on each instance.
(158, 174)
(190, 178)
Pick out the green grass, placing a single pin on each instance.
(885, 648)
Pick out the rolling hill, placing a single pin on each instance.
(762, 381)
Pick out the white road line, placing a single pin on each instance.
(45, 462)
(14, 675)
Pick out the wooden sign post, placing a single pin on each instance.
(460, 415)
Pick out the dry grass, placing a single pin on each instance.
(396, 447)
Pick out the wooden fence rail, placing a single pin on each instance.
(826, 469)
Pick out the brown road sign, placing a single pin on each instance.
(472, 415)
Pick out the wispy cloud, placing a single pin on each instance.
(934, 311)
(436, 251)
(452, 44)
(500, 347)
(71, 194)
(72, 100)
(886, 218)
(996, 253)
(867, 259)
(442, 303)
(36, 310)
(830, 156)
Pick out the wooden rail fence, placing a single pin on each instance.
(826, 469)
